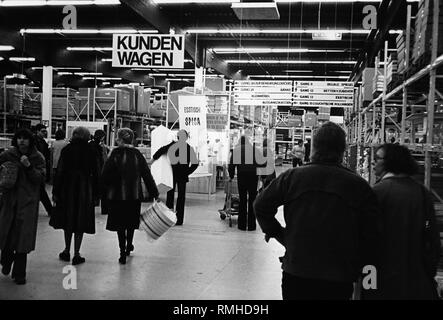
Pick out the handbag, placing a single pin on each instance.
(8, 175)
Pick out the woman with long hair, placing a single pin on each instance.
(20, 203)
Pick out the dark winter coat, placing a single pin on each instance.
(101, 152)
(123, 173)
(22, 202)
(43, 147)
(331, 218)
(76, 188)
(181, 170)
(246, 158)
(401, 272)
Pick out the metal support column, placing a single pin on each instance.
(167, 104)
(431, 97)
(5, 93)
(383, 100)
(405, 88)
(93, 109)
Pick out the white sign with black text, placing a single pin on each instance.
(148, 51)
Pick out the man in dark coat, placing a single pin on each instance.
(245, 157)
(184, 162)
(101, 153)
(331, 218)
(75, 192)
(43, 147)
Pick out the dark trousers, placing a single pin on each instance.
(125, 238)
(247, 189)
(9, 257)
(44, 198)
(296, 162)
(296, 288)
(19, 260)
(181, 197)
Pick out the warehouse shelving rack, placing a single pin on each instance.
(420, 92)
(368, 126)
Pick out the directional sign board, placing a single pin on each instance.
(323, 94)
(262, 93)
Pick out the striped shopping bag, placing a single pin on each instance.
(156, 220)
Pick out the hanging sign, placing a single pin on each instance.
(323, 94)
(192, 118)
(148, 51)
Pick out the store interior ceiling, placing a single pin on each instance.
(258, 44)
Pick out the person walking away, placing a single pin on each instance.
(43, 147)
(57, 147)
(298, 154)
(410, 240)
(184, 162)
(267, 174)
(101, 154)
(244, 158)
(331, 218)
(19, 204)
(122, 179)
(307, 151)
(74, 193)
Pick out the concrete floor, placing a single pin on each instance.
(203, 259)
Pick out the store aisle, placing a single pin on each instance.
(203, 259)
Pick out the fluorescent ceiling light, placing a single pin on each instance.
(188, 61)
(106, 83)
(163, 69)
(67, 68)
(101, 78)
(32, 3)
(88, 74)
(296, 77)
(21, 59)
(171, 75)
(302, 71)
(65, 73)
(277, 1)
(1, 59)
(395, 31)
(288, 62)
(106, 60)
(176, 79)
(108, 79)
(84, 31)
(252, 5)
(57, 68)
(6, 48)
(89, 48)
(272, 31)
(325, 1)
(268, 50)
(194, 1)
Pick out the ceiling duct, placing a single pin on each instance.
(264, 10)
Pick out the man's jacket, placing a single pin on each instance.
(331, 221)
(183, 159)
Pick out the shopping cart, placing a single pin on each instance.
(232, 201)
